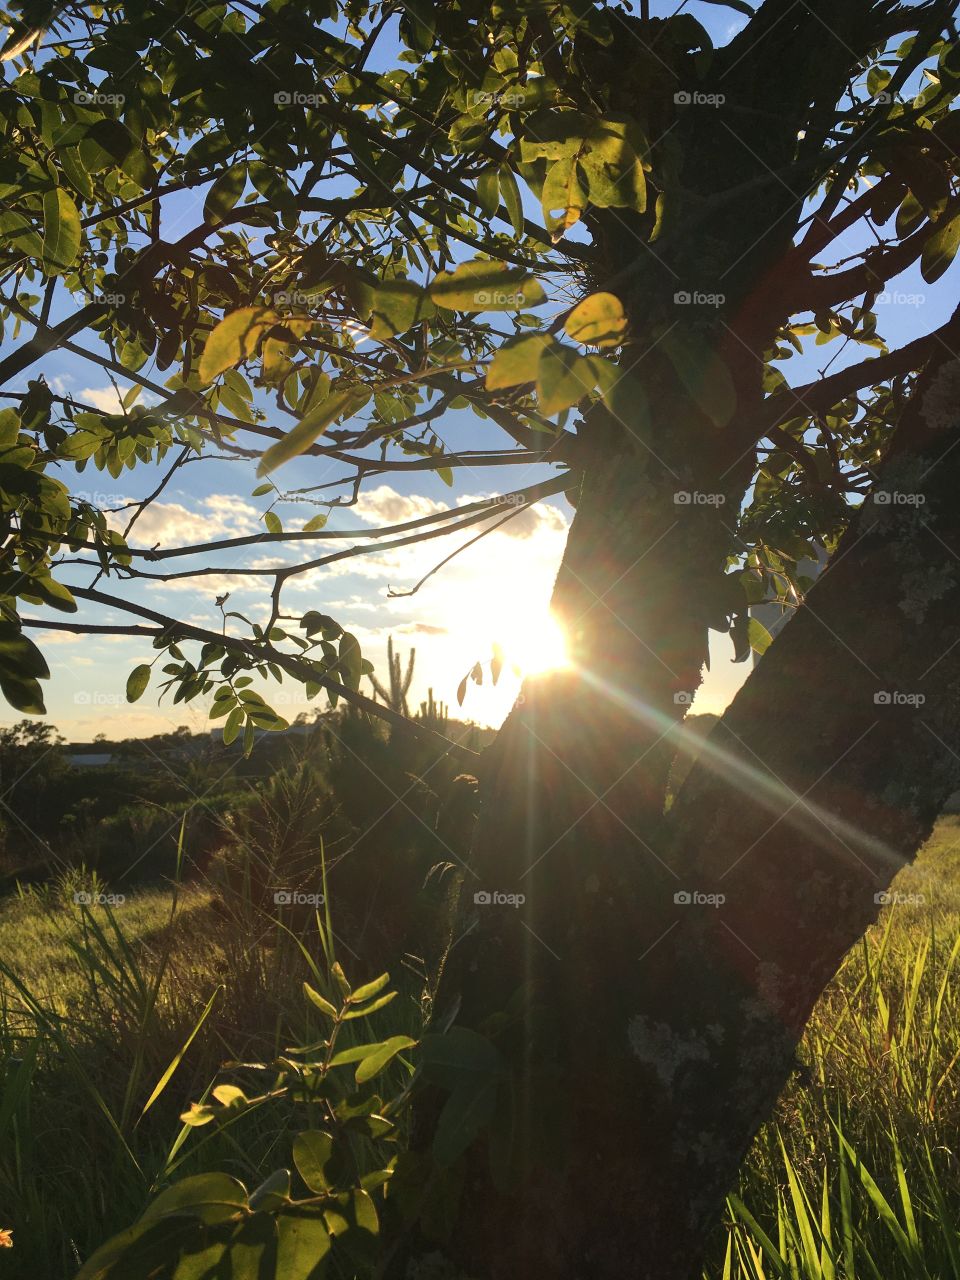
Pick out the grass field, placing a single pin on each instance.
(857, 1175)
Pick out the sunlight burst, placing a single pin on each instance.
(534, 644)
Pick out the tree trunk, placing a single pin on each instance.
(649, 1035)
(646, 1036)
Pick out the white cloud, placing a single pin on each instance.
(106, 399)
(543, 517)
(170, 524)
(384, 505)
(217, 584)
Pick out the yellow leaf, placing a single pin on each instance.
(597, 320)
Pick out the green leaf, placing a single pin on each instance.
(562, 194)
(381, 1057)
(553, 135)
(510, 192)
(228, 1094)
(349, 659)
(303, 1242)
(272, 521)
(759, 637)
(137, 681)
(517, 361)
(356, 1053)
(598, 320)
(340, 977)
(148, 1248)
(563, 377)
(369, 989)
(468, 1109)
(178, 1057)
(201, 1265)
(338, 404)
(312, 1152)
(611, 165)
(320, 1001)
(397, 306)
(55, 594)
(72, 166)
(273, 1193)
(488, 191)
(370, 1008)
(940, 250)
(316, 522)
(23, 693)
(22, 666)
(704, 374)
(232, 726)
(61, 232)
(447, 1056)
(738, 6)
(211, 1197)
(486, 286)
(233, 339)
(224, 194)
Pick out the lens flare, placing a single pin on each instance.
(534, 645)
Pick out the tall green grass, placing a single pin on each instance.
(114, 1019)
(858, 1174)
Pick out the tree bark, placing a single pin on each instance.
(648, 1036)
(648, 974)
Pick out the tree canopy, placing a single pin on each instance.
(309, 231)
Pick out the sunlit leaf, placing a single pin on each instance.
(137, 681)
(598, 320)
(340, 403)
(61, 231)
(233, 339)
(486, 286)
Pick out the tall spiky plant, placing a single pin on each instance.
(396, 697)
(434, 713)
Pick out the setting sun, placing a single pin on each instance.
(534, 645)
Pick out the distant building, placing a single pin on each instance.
(91, 759)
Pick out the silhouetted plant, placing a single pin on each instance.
(396, 696)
